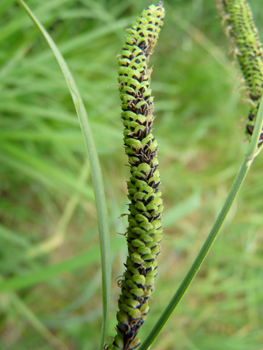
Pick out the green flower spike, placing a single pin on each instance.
(146, 206)
(248, 49)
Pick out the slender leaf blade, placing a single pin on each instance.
(95, 168)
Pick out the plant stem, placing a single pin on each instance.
(252, 153)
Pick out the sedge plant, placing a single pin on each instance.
(144, 232)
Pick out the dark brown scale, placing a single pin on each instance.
(150, 199)
(139, 285)
(149, 260)
(140, 135)
(142, 271)
(156, 185)
(140, 178)
(142, 45)
(137, 265)
(159, 227)
(156, 217)
(124, 327)
(150, 174)
(250, 129)
(154, 168)
(131, 93)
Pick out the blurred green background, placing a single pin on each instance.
(49, 248)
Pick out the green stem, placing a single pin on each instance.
(252, 153)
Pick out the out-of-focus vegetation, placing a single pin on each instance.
(50, 271)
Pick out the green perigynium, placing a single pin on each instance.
(248, 49)
(144, 232)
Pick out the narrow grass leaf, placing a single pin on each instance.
(95, 170)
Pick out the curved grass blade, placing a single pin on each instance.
(95, 169)
(253, 151)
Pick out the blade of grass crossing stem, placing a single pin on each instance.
(250, 156)
(95, 169)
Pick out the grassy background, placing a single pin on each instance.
(50, 272)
